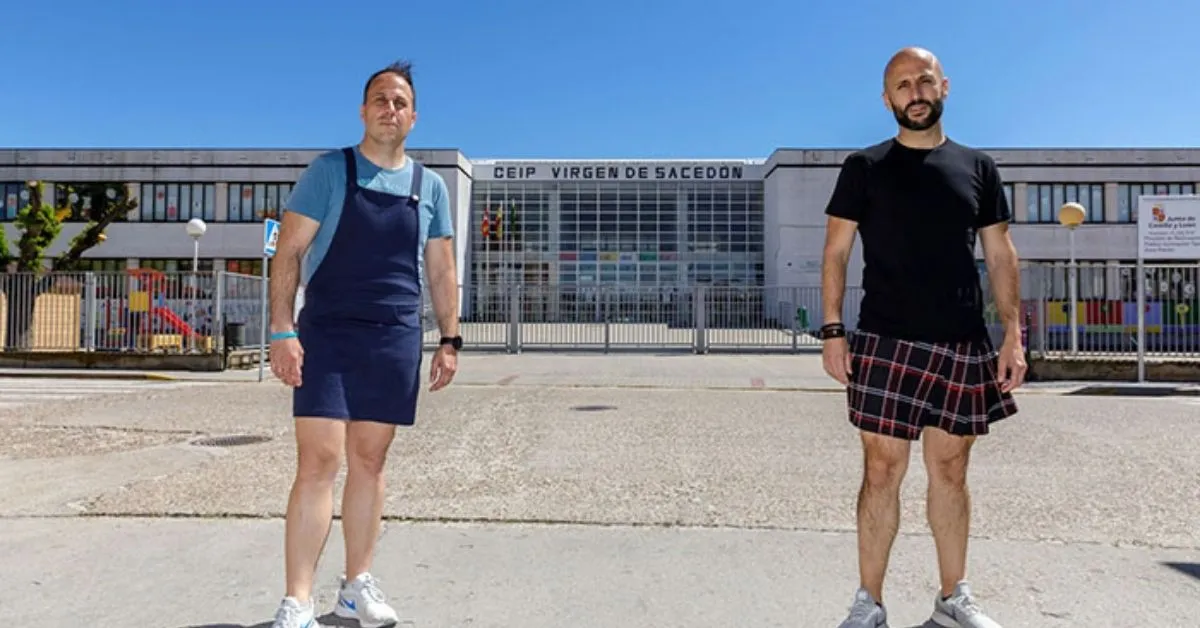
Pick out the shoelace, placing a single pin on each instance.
(288, 615)
(966, 605)
(969, 607)
(370, 588)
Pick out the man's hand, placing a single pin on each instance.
(1011, 364)
(835, 354)
(443, 368)
(287, 359)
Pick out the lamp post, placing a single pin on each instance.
(1071, 215)
(195, 229)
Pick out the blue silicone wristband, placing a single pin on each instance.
(281, 335)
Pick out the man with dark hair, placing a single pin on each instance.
(370, 227)
(402, 69)
(920, 364)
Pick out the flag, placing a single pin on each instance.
(485, 225)
(500, 223)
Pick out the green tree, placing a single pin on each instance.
(39, 224)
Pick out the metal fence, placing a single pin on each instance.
(132, 311)
(204, 312)
(1097, 309)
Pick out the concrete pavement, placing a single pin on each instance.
(673, 492)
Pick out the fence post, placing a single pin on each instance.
(514, 318)
(218, 316)
(606, 294)
(797, 324)
(90, 314)
(264, 296)
(701, 297)
(1141, 321)
(1043, 310)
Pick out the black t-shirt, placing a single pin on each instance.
(918, 213)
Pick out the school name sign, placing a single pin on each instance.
(620, 171)
(1169, 227)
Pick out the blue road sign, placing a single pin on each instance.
(270, 236)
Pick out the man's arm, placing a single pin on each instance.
(845, 210)
(839, 242)
(1003, 264)
(999, 253)
(303, 212)
(443, 283)
(441, 269)
(296, 233)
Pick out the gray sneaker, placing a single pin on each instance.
(865, 613)
(960, 610)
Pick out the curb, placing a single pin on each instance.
(1135, 390)
(158, 377)
(669, 387)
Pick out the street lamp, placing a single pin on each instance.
(195, 229)
(1071, 215)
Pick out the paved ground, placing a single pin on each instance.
(18, 393)
(552, 491)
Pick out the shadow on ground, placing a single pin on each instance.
(332, 620)
(329, 620)
(1187, 569)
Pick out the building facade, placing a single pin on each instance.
(576, 229)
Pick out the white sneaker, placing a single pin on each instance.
(960, 610)
(293, 614)
(362, 599)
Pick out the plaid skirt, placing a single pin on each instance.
(898, 387)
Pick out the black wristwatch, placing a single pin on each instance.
(453, 341)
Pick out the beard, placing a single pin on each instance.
(932, 118)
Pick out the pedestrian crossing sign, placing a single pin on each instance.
(270, 236)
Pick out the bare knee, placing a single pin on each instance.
(947, 458)
(367, 447)
(318, 450)
(318, 464)
(370, 462)
(885, 462)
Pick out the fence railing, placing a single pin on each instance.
(134, 311)
(1103, 317)
(204, 312)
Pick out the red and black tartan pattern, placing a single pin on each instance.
(898, 387)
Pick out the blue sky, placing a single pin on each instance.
(617, 79)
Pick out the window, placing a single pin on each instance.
(724, 218)
(252, 202)
(244, 266)
(103, 265)
(178, 202)
(1128, 193)
(1043, 200)
(14, 196)
(175, 265)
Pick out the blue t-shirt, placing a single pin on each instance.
(320, 194)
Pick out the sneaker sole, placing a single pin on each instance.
(345, 613)
(944, 620)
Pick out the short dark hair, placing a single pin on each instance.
(403, 69)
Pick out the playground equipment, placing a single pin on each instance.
(147, 305)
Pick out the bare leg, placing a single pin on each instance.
(310, 505)
(367, 446)
(948, 502)
(885, 461)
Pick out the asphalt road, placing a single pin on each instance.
(558, 492)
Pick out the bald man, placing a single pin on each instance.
(920, 363)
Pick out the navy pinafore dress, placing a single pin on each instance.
(360, 325)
